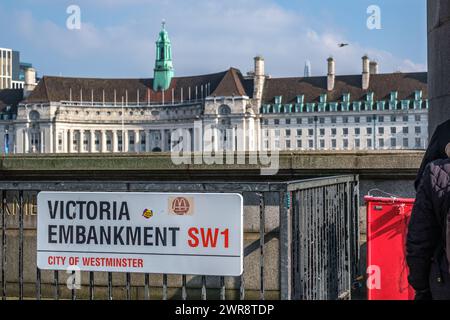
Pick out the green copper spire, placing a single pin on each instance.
(163, 65)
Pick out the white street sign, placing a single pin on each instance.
(174, 233)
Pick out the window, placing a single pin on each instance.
(393, 142)
(288, 121)
(322, 144)
(381, 119)
(277, 133)
(276, 121)
(277, 144)
(299, 132)
(369, 130)
(288, 144)
(345, 131)
(405, 130)
(333, 131)
(417, 117)
(224, 110)
(321, 120)
(345, 119)
(299, 120)
(357, 131)
(322, 132)
(333, 143)
(405, 118)
(418, 143)
(333, 119)
(345, 143)
(310, 120)
(266, 122)
(393, 118)
(369, 143)
(393, 130)
(357, 119)
(381, 143)
(299, 144)
(368, 119)
(310, 132)
(380, 130)
(311, 144)
(288, 132)
(357, 143)
(405, 142)
(417, 130)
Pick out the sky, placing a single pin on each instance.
(117, 37)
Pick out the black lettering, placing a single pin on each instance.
(174, 235)
(51, 234)
(52, 209)
(65, 234)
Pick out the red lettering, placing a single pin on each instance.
(225, 234)
(208, 238)
(193, 233)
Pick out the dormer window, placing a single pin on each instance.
(394, 95)
(346, 97)
(369, 96)
(323, 98)
(418, 95)
(300, 99)
(278, 99)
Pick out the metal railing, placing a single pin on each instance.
(280, 220)
(325, 240)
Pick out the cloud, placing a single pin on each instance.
(207, 36)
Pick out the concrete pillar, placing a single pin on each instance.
(438, 63)
(26, 138)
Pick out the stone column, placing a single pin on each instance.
(92, 141)
(26, 147)
(115, 144)
(163, 140)
(147, 140)
(81, 141)
(103, 142)
(438, 63)
(70, 142)
(137, 140)
(41, 143)
(125, 141)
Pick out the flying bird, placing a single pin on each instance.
(341, 45)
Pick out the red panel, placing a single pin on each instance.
(387, 222)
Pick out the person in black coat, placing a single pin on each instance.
(436, 148)
(426, 239)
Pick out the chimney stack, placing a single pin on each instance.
(365, 72)
(373, 67)
(259, 79)
(331, 76)
(30, 81)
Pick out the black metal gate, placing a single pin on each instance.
(325, 242)
(314, 223)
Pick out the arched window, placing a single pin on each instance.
(224, 110)
(34, 115)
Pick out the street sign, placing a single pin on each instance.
(173, 233)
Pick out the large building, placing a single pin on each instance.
(220, 111)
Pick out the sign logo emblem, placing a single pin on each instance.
(181, 206)
(147, 214)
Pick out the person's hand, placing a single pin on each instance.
(423, 295)
(447, 150)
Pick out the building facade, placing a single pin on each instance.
(216, 112)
